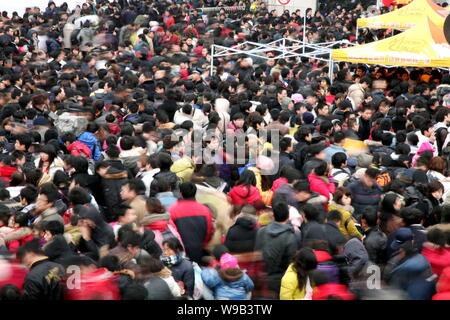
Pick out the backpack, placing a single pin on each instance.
(406, 176)
(383, 179)
(74, 37)
(350, 179)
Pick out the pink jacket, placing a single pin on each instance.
(320, 186)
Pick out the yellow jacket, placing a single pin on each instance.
(289, 286)
(347, 226)
(183, 168)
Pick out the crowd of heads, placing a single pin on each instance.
(135, 166)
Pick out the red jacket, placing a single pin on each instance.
(443, 286)
(6, 172)
(240, 195)
(78, 148)
(324, 291)
(97, 285)
(278, 183)
(14, 245)
(320, 186)
(194, 223)
(439, 258)
(168, 21)
(12, 273)
(114, 128)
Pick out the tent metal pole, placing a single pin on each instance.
(304, 31)
(212, 61)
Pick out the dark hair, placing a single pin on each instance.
(155, 206)
(338, 159)
(437, 236)
(51, 191)
(173, 244)
(321, 169)
(164, 161)
(25, 140)
(136, 185)
(311, 213)
(29, 193)
(334, 215)
(304, 261)
(54, 227)
(9, 292)
(126, 142)
(339, 194)
(120, 210)
(78, 195)
(411, 216)
(371, 216)
(32, 246)
(188, 189)
(280, 211)
(131, 238)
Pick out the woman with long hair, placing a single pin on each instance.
(295, 284)
(48, 161)
(245, 192)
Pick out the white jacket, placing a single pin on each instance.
(198, 118)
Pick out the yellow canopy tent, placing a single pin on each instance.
(406, 17)
(421, 46)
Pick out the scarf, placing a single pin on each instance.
(173, 260)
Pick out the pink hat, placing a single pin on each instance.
(264, 163)
(228, 261)
(297, 97)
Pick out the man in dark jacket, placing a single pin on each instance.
(43, 282)
(56, 249)
(278, 245)
(375, 240)
(164, 163)
(95, 232)
(111, 183)
(336, 239)
(365, 192)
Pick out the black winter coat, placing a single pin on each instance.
(278, 245)
(111, 183)
(43, 282)
(375, 243)
(241, 236)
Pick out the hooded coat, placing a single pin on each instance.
(278, 245)
(241, 195)
(58, 249)
(228, 284)
(241, 236)
(89, 139)
(101, 235)
(111, 184)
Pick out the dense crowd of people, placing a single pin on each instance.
(129, 171)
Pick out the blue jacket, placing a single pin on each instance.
(333, 149)
(89, 139)
(237, 286)
(363, 197)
